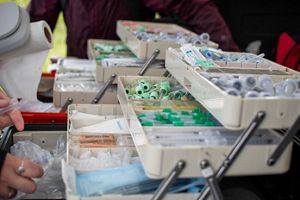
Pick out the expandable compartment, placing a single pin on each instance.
(103, 73)
(144, 49)
(101, 113)
(81, 95)
(159, 158)
(236, 112)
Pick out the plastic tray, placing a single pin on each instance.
(158, 160)
(104, 73)
(235, 112)
(145, 49)
(60, 97)
(110, 111)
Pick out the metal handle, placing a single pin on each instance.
(148, 63)
(212, 182)
(66, 104)
(168, 181)
(284, 142)
(104, 88)
(235, 151)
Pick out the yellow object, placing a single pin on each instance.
(2, 90)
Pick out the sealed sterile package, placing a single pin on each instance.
(50, 185)
(76, 65)
(75, 76)
(84, 86)
(124, 180)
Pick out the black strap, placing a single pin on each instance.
(2, 159)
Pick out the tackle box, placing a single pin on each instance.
(102, 113)
(83, 97)
(236, 112)
(103, 73)
(160, 158)
(144, 49)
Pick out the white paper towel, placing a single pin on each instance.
(21, 69)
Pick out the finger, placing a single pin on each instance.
(3, 96)
(4, 190)
(20, 183)
(17, 119)
(32, 170)
(4, 103)
(14, 180)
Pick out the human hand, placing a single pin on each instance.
(12, 179)
(11, 117)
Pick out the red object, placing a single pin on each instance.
(44, 118)
(50, 74)
(97, 19)
(288, 52)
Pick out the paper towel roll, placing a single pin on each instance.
(21, 69)
(40, 39)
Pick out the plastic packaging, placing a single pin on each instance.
(13, 105)
(51, 184)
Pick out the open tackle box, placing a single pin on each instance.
(161, 146)
(236, 111)
(82, 115)
(116, 50)
(76, 79)
(144, 49)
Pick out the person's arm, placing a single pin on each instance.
(201, 15)
(47, 10)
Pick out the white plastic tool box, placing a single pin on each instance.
(83, 97)
(158, 160)
(236, 112)
(143, 49)
(103, 73)
(104, 112)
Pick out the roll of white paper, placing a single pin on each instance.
(21, 69)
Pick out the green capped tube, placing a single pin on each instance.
(146, 86)
(164, 90)
(127, 90)
(139, 90)
(142, 81)
(145, 95)
(154, 95)
(156, 86)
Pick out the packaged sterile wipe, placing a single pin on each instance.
(103, 181)
(128, 180)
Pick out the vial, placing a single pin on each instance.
(265, 82)
(232, 91)
(251, 94)
(249, 81)
(236, 84)
(204, 37)
(289, 87)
